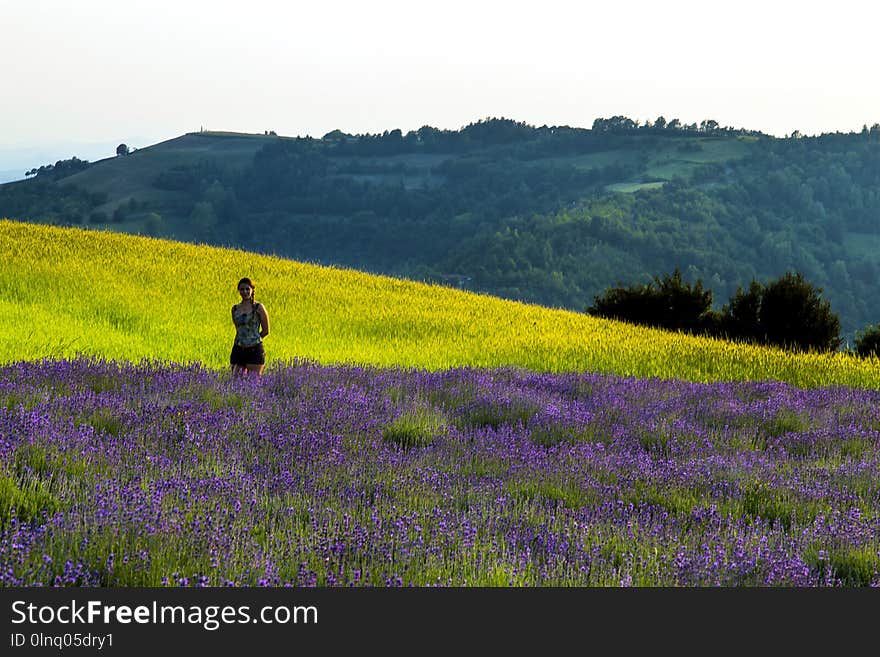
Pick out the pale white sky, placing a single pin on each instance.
(102, 72)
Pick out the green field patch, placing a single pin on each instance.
(11, 400)
(417, 426)
(285, 509)
(828, 446)
(758, 500)
(614, 552)
(34, 460)
(856, 448)
(420, 500)
(672, 169)
(480, 466)
(604, 423)
(31, 460)
(594, 160)
(500, 575)
(99, 382)
(103, 420)
(854, 566)
(27, 500)
(767, 431)
(397, 394)
(140, 560)
(656, 440)
(676, 500)
(486, 411)
(722, 421)
(380, 491)
(632, 187)
(550, 435)
(782, 422)
(218, 398)
(542, 491)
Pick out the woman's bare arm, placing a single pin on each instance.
(264, 321)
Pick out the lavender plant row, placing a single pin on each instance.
(119, 475)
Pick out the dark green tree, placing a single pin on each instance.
(740, 317)
(793, 315)
(867, 341)
(667, 302)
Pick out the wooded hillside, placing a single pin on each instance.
(552, 215)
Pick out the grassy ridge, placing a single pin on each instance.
(73, 291)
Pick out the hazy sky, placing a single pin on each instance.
(141, 71)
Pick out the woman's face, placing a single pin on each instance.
(245, 291)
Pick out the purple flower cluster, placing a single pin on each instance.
(115, 475)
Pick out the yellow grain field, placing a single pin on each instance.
(69, 291)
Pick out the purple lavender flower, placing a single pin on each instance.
(121, 475)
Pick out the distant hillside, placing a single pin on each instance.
(548, 215)
(133, 177)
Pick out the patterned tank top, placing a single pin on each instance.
(247, 327)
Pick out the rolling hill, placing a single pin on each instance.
(131, 177)
(545, 215)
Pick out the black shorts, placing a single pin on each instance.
(247, 355)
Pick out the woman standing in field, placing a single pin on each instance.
(251, 325)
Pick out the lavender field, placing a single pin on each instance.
(120, 475)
